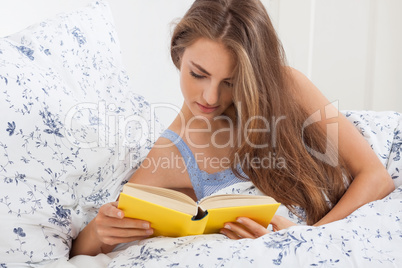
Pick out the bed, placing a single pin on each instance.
(73, 131)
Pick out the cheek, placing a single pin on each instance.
(184, 85)
(228, 97)
(189, 86)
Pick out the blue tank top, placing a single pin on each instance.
(204, 183)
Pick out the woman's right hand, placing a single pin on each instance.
(108, 229)
(112, 228)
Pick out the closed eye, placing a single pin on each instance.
(197, 76)
(228, 84)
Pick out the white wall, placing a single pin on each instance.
(386, 83)
(145, 31)
(352, 50)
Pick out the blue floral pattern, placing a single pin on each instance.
(383, 131)
(61, 156)
(369, 237)
(62, 84)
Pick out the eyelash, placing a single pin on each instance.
(228, 84)
(197, 76)
(193, 74)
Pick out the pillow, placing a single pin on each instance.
(72, 131)
(383, 132)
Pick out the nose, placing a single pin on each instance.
(211, 94)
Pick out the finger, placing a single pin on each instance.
(125, 223)
(125, 232)
(239, 230)
(279, 223)
(132, 223)
(111, 210)
(118, 240)
(109, 234)
(229, 234)
(255, 228)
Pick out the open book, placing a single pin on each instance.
(172, 213)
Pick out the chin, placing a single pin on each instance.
(208, 116)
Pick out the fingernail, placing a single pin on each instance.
(239, 220)
(145, 225)
(149, 231)
(227, 226)
(119, 214)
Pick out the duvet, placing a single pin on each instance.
(369, 237)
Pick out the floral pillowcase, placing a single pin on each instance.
(72, 131)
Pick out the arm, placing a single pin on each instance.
(110, 227)
(371, 180)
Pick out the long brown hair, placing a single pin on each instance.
(262, 90)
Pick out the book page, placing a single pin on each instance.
(234, 200)
(163, 197)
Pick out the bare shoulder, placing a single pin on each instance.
(294, 74)
(352, 147)
(297, 81)
(305, 92)
(163, 167)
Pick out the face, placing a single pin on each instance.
(206, 78)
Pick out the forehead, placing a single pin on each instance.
(213, 56)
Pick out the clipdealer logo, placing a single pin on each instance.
(331, 155)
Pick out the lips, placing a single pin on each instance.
(207, 109)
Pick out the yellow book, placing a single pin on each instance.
(172, 213)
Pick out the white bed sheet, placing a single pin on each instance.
(369, 237)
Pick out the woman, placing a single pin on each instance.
(241, 102)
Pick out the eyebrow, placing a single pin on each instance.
(205, 71)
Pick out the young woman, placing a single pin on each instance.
(242, 105)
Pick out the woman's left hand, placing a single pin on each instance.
(247, 228)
